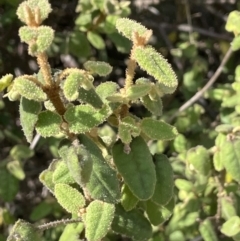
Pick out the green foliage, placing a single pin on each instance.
(119, 172)
(98, 220)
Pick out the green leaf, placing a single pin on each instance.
(207, 231)
(98, 219)
(132, 224)
(71, 232)
(24, 231)
(16, 169)
(122, 44)
(46, 177)
(136, 167)
(154, 106)
(96, 40)
(128, 128)
(227, 208)
(158, 130)
(61, 174)
(103, 184)
(128, 27)
(41, 211)
(183, 184)
(69, 198)
(106, 89)
(21, 152)
(165, 183)
(42, 6)
(78, 45)
(128, 200)
(5, 81)
(230, 152)
(45, 36)
(48, 123)
(98, 67)
(232, 24)
(9, 185)
(236, 43)
(155, 65)
(79, 162)
(90, 97)
(28, 34)
(71, 86)
(29, 89)
(29, 110)
(231, 227)
(83, 118)
(138, 90)
(199, 160)
(218, 157)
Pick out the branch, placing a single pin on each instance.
(206, 87)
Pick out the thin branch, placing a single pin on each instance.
(206, 87)
(57, 223)
(35, 141)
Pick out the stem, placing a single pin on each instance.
(42, 61)
(57, 223)
(130, 72)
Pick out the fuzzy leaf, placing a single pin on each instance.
(48, 123)
(103, 184)
(155, 65)
(29, 110)
(90, 97)
(98, 67)
(79, 162)
(138, 90)
(29, 89)
(61, 174)
(96, 40)
(42, 6)
(158, 130)
(231, 157)
(128, 128)
(9, 185)
(128, 200)
(98, 219)
(136, 167)
(231, 227)
(44, 39)
(233, 20)
(46, 177)
(127, 28)
(198, 158)
(83, 118)
(24, 231)
(165, 183)
(207, 231)
(69, 198)
(106, 89)
(236, 43)
(132, 224)
(71, 86)
(28, 34)
(5, 81)
(227, 208)
(154, 106)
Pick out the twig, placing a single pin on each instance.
(57, 223)
(35, 141)
(206, 87)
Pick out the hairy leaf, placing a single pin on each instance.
(98, 67)
(136, 167)
(98, 219)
